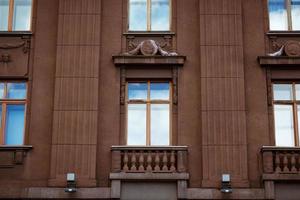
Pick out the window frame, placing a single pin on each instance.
(294, 103)
(288, 5)
(148, 103)
(11, 17)
(4, 102)
(148, 29)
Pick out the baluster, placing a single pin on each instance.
(125, 161)
(285, 162)
(149, 162)
(172, 161)
(293, 163)
(277, 163)
(298, 158)
(157, 161)
(141, 162)
(165, 161)
(133, 162)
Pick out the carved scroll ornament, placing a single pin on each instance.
(149, 48)
(25, 44)
(289, 48)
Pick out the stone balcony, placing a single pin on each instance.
(281, 163)
(152, 162)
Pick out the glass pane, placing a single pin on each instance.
(1, 90)
(284, 126)
(16, 91)
(138, 15)
(22, 15)
(283, 92)
(298, 108)
(15, 119)
(296, 14)
(136, 125)
(278, 15)
(160, 91)
(137, 91)
(4, 8)
(160, 12)
(160, 124)
(297, 91)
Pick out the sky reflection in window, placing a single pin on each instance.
(159, 91)
(295, 14)
(160, 124)
(137, 91)
(22, 15)
(136, 126)
(283, 92)
(4, 8)
(160, 13)
(138, 15)
(278, 15)
(15, 119)
(16, 90)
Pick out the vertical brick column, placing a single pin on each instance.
(74, 135)
(224, 141)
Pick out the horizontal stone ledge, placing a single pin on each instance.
(279, 60)
(55, 193)
(149, 148)
(281, 177)
(149, 176)
(123, 60)
(199, 193)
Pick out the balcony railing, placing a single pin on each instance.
(281, 162)
(152, 159)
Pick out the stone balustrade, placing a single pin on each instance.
(281, 160)
(151, 159)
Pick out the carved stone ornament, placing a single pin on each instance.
(149, 48)
(25, 44)
(5, 58)
(292, 48)
(287, 48)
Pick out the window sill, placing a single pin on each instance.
(284, 33)
(15, 33)
(13, 155)
(148, 33)
(148, 60)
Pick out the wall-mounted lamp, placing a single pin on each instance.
(71, 183)
(226, 185)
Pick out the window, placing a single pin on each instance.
(148, 113)
(284, 15)
(12, 112)
(286, 111)
(149, 15)
(15, 15)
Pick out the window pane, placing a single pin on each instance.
(15, 119)
(297, 91)
(22, 15)
(16, 90)
(160, 91)
(137, 91)
(284, 126)
(283, 92)
(298, 108)
(136, 125)
(160, 12)
(138, 15)
(4, 8)
(1, 90)
(160, 124)
(278, 15)
(296, 14)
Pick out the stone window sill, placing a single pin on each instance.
(284, 33)
(13, 155)
(149, 33)
(15, 33)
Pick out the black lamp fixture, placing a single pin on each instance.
(71, 183)
(226, 185)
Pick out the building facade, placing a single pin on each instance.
(150, 99)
